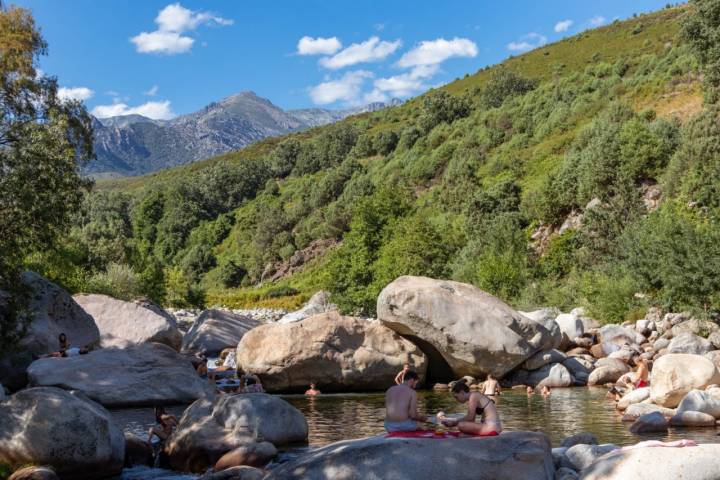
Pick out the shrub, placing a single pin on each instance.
(118, 281)
(504, 84)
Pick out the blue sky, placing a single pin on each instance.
(162, 58)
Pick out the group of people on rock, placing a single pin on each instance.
(401, 405)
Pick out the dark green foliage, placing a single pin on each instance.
(385, 142)
(232, 274)
(702, 31)
(504, 84)
(439, 106)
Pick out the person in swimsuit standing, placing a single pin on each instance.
(478, 404)
(491, 387)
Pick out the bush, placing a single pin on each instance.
(119, 281)
(504, 84)
(439, 106)
(180, 291)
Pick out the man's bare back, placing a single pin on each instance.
(400, 403)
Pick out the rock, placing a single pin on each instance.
(570, 325)
(597, 351)
(578, 351)
(34, 473)
(142, 375)
(137, 451)
(611, 362)
(624, 354)
(512, 455)
(582, 456)
(236, 473)
(543, 358)
(692, 419)
(335, 352)
(714, 338)
(576, 365)
(474, 332)
(714, 356)
(583, 342)
(644, 327)
(586, 438)
(68, 432)
(695, 326)
(607, 374)
(210, 428)
(552, 375)
(3, 395)
(637, 410)
(689, 343)
(558, 454)
(675, 374)
(441, 387)
(700, 401)
(565, 473)
(650, 423)
(216, 330)
(318, 303)
(124, 323)
(546, 317)
(256, 454)
(635, 396)
(53, 312)
(617, 335)
(690, 463)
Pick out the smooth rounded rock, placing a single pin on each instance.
(215, 330)
(474, 332)
(635, 396)
(335, 352)
(546, 317)
(636, 410)
(587, 438)
(692, 419)
(236, 473)
(318, 303)
(137, 451)
(211, 428)
(34, 473)
(570, 325)
(650, 423)
(700, 401)
(609, 373)
(674, 375)
(124, 323)
(542, 358)
(257, 454)
(582, 456)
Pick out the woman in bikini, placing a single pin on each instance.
(478, 404)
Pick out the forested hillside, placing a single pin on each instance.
(583, 172)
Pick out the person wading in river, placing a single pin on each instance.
(400, 377)
(401, 413)
(478, 404)
(491, 387)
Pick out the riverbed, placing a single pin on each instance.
(335, 417)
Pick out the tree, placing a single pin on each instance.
(43, 139)
(504, 84)
(702, 31)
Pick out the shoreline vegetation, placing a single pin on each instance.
(580, 177)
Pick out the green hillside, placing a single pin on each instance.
(484, 180)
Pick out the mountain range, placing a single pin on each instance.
(131, 145)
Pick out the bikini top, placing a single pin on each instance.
(481, 410)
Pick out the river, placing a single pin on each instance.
(337, 417)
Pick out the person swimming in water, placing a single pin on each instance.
(478, 404)
(401, 413)
(545, 391)
(491, 387)
(529, 390)
(312, 391)
(164, 425)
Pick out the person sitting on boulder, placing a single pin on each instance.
(491, 386)
(163, 428)
(312, 391)
(401, 413)
(642, 373)
(400, 377)
(478, 404)
(251, 384)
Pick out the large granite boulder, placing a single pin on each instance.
(700, 401)
(619, 336)
(216, 330)
(49, 426)
(334, 351)
(542, 358)
(53, 312)
(142, 375)
(570, 325)
(650, 423)
(552, 375)
(124, 323)
(546, 317)
(687, 342)
(637, 410)
(581, 456)
(34, 473)
(688, 463)
(474, 332)
(510, 456)
(674, 375)
(210, 428)
(607, 372)
(318, 303)
(692, 419)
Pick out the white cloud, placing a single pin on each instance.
(371, 50)
(563, 26)
(598, 20)
(172, 22)
(152, 92)
(437, 51)
(346, 89)
(318, 46)
(402, 85)
(528, 42)
(155, 110)
(75, 93)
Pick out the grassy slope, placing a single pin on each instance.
(646, 34)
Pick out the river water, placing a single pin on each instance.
(335, 417)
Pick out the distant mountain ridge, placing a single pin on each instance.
(135, 145)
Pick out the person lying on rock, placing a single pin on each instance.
(491, 387)
(312, 391)
(66, 350)
(163, 428)
(401, 413)
(478, 404)
(400, 377)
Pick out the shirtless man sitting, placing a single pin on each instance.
(401, 405)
